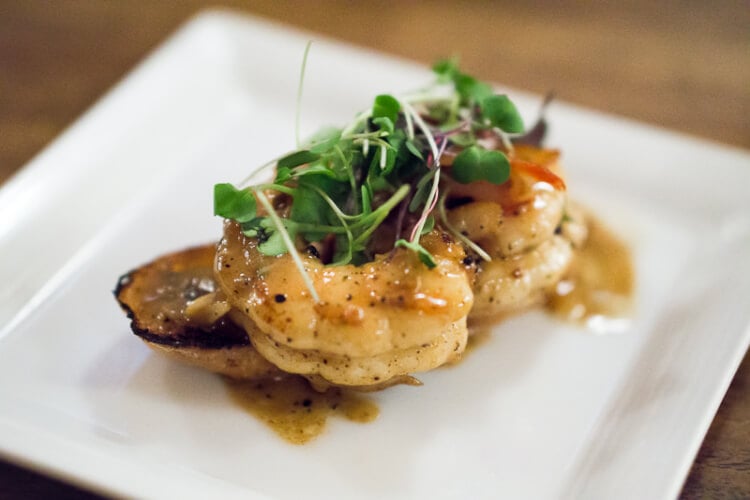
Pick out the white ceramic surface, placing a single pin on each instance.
(542, 410)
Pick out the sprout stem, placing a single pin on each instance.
(423, 126)
(382, 212)
(288, 242)
(299, 93)
(429, 204)
(456, 233)
(255, 172)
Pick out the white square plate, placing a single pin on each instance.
(542, 410)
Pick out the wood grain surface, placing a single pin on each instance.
(681, 65)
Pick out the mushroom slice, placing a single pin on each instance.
(176, 310)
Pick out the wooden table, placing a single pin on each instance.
(684, 66)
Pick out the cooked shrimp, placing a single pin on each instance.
(517, 215)
(387, 318)
(510, 284)
(525, 226)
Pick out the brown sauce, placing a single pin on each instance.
(599, 285)
(294, 410)
(159, 293)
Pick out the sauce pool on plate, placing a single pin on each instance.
(597, 292)
(598, 288)
(294, 410)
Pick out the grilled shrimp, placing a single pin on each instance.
(385, 319)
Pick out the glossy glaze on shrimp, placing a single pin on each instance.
(515, 216)
(510, 284)
(525, 225)
(386, 318)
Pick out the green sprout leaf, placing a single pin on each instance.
(446, 70)
(297, 158)
(413, 149)
(478, 164)
(389, 153)
(342, 159)
(325, 140)
(386, 106)
(464, 139)
(502, 113)
(366, 200)
(344, 251)
(429, 225)
(274, 242)
(233, 203)
(425, 256)
(254, 228)
(395, 152)
(384, 123)
(470, 89)
(283, 174)
(309, 207)
(423, 191)
(316, 170)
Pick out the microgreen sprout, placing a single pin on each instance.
(299, 92)
(287, 242)
(341, 185)
(457, 234)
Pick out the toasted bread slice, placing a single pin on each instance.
(158, 296)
